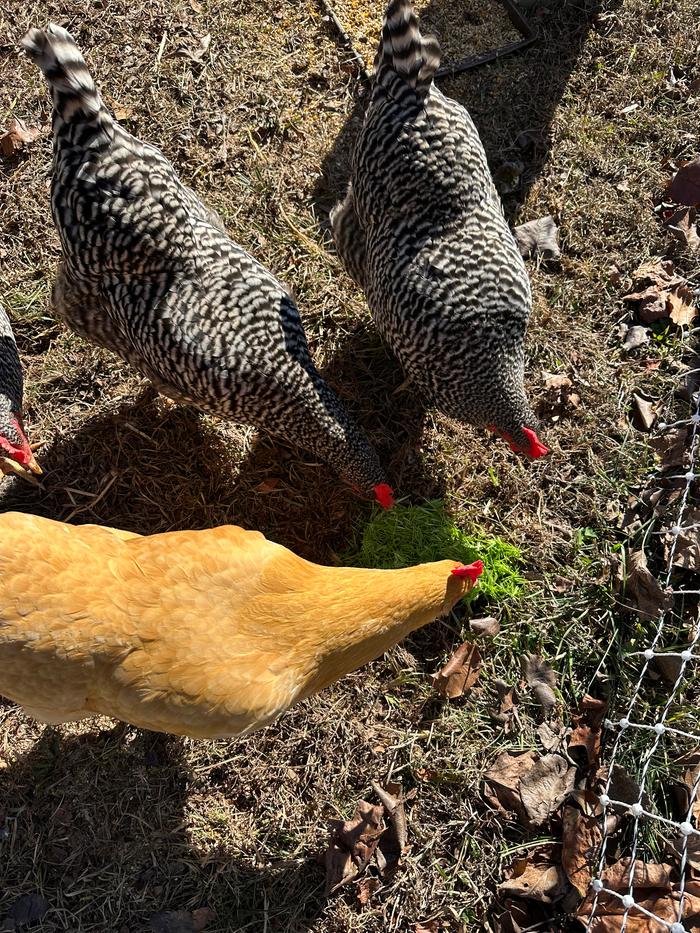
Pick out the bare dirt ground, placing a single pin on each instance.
(113, 828)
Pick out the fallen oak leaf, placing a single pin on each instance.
(17, 136)
(682, 224)
(460, 673)
(502, 781)
(427, 926)
(682, 310)
(545, 786)
(538, 236)
(684, 187)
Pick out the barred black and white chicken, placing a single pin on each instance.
(16, 457)
(150, 274)
(422, 231)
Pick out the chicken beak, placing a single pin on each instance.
(10, 467)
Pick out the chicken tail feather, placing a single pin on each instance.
(404, 50)
(75, 96)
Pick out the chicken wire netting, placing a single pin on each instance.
(650, 800)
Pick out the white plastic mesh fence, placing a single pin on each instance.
(649, 733)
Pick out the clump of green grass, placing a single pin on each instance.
(407, 535)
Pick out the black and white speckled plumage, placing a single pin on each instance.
(422, 231)
(11, 381)
(150, 273)
(16, 455)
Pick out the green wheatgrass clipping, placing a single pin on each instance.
(416, 534)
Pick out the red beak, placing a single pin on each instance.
(473, 571)
(535, 446)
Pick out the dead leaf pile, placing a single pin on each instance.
(17, 137)
(460, 673)
(538, 236)
(653, 890)
(660, 294)
(560, 397)
(375, 837)
(672, 447)
(537, 877)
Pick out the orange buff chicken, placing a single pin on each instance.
(207, 634)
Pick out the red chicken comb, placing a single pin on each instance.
(21, 452)
(473, 571)
(384, 495)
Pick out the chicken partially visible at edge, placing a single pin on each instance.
(16, 457)
(208, 634)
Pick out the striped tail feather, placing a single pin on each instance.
(75, 96)
(404, 50)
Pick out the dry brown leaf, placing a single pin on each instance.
(545, 786)
(635, 337)
(652, 304)
(588, 723)
(551, 736)
(645, 412)
(506, 711)
(682, 308)
(660, 272)
(541, 680)
(393, 841)
(671, 446)
(684, 187)
(460, 673)
(646, 875)
(610, 911)
(366, 887)
(17, 136)
(538, 236)
(353, 843)
(502, 781)
(581, 837)
(683, 225)
(687, 553)
(197, 7)
(487, 627)
(339, 867)
(536, 877)
(643, 592)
